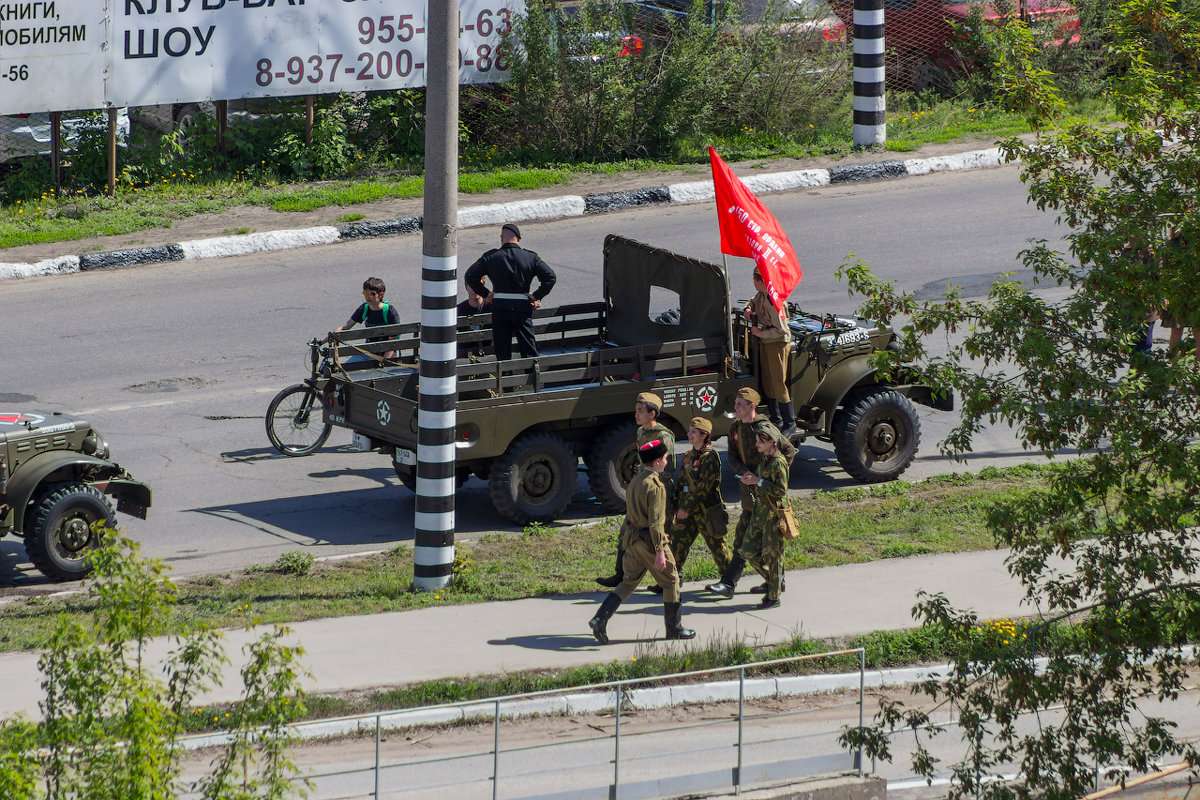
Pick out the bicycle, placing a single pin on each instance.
(291, 426)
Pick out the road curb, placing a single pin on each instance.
(497, 214)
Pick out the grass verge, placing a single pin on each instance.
(158, 204)
(943, 514)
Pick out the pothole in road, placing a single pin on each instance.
(169, 385)
(16, 397)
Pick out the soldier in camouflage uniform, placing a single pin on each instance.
(763, 546)
(743, 460)
(645, 413)
(646, 546)
(700, 511)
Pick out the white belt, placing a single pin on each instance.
(509, 296)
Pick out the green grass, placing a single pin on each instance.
(851, 525)
(76, 215)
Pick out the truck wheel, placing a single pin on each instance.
(612, 463)
(60, 536)
(534, 480)
(876, 435)
(407, 476)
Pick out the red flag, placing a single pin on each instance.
(748, 229)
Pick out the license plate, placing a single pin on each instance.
(361, 442)
(407, 457)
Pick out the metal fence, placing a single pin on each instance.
(620, 740)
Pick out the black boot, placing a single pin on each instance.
(762, 587)
(728, 582)
(615, 580)
(773, 412)
(673, 615)
(599, 623)
(788, 413)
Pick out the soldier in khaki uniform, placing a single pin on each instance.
(646, 546)
(775, 344)
(743, 460)
(700, 511)
(645, 413)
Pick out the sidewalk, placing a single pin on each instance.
(382, 650)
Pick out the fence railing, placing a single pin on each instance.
(627, 752)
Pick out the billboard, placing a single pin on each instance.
(69, 54)
(52, 55)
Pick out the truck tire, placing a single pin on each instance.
(534, 479)
(875, 435)
(408, 477)
(60, 537)
(612, 462)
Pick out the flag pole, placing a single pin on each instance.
(733, 354)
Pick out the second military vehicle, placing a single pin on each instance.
(665, 325)
(55, 481)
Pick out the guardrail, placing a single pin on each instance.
(767, 740)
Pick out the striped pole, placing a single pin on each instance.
(437, 393)
(870, 103)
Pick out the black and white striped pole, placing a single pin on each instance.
(870, 102)
(433, 545)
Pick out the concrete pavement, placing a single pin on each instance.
(446, 641)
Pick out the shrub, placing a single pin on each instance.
(294, 562)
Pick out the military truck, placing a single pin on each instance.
(55, 480)
(666, 325)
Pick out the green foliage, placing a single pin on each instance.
(392, 124)
(18, 758)
(465, 575)
(29, 179)
(110, 724)
(330, 155)
(578, 92)
(1109, 538)
(294, 562)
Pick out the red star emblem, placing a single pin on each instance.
(706, 396)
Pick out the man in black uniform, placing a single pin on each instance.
(511, 269)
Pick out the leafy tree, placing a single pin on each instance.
(110, 726)
(1110, 544)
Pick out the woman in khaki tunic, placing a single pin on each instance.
(775, 345)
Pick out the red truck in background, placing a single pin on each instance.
(923, 47)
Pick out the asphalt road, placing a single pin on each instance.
(175, 363)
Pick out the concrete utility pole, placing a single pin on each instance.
(870, 99)
(433, 551)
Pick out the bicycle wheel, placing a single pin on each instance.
(294, 423)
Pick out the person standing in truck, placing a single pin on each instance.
(511, 270)
(372, 313)
(645, 413)
(775, 345)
